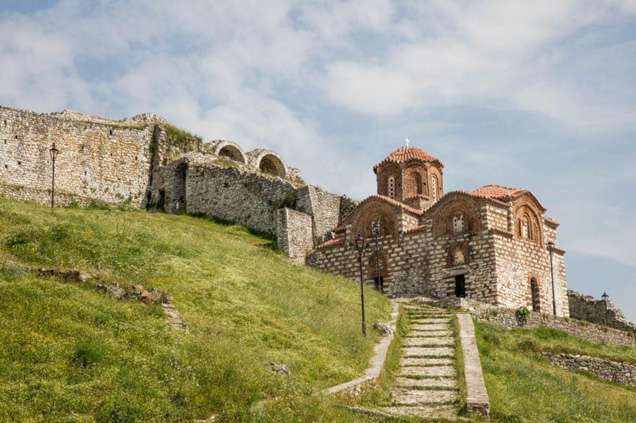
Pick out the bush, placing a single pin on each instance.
(522, 314)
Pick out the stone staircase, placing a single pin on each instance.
(426, 386)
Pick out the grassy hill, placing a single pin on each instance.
(70, 353)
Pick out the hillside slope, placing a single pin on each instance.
(73, 354)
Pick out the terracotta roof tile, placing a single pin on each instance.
(396, 203)
(497, 192)
(332, 242)
(404, 154)
(415, 229)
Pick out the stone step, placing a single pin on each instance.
(429, 352)
(414, 361)
(430, 321)
(423, 397)
(429, 342)
(429, 334)
(432, 327)
(428, 371)
(447, 412)
(436, 383)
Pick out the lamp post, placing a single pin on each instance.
(551, 248)
(53, 151)
(375, 229)
(360, 247)
(605, 299)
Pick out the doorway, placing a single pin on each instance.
(536, 295)
(460, 286)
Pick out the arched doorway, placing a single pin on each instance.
(536, 295)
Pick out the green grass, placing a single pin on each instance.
(523, 387)
(72, 354)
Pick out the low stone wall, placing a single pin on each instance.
(477, 400)
(506, 317)
(604, 369)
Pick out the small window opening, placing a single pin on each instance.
(434, 183)
(19, 163)
(6, 166)
(418, 183)
(536, 296)
(110, 132)
(392, 187)
(458, 223)
(460, 286)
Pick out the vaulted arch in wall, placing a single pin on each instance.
(534, 293)
(272, 165)
(414, 181)
(457, 215)
(374, 210)
(229, 150)
(389, 181)
(527, 224)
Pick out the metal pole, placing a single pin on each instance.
(554, 306)
(376, 232)
(364, 325)
(53, 184)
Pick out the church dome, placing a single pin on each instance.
(405, 154)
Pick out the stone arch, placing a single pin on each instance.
(374, 211)
(534, 293)
(527, 224)
(463, 207)
(269, 162)
(230, 150)
(372, 269)
(414, 181)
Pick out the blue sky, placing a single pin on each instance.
(533, 94)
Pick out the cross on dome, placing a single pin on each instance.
(407, 141)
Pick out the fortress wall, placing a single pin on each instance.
(235, 195)
(99, 159)
(294, 233)
(588, 308)
(323, 206)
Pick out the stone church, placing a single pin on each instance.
(494, 244)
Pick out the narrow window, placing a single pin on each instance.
(458, 223)
(525, 227)
(460, 286)
(536, 297)
(418, 183)
(392, 187)
(434, 187)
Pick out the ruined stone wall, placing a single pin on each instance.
(294, 233)
(245, 198)
(604, 313)
(604, 369)
(323, 206)
(98, 159)
(506, 317)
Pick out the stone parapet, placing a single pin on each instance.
(477, 400)
(604, 369)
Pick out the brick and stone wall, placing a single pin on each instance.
(294, 233)
(601, 312)
(604, 369)
(507, 317)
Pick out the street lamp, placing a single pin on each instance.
(605, 299)
(360, 248)
(551, 248)
(375, 229)
(53, 151)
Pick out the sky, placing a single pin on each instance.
(533, 94)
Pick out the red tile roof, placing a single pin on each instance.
(497, 192)
(332, 242)
(404, 154)
(396, 203)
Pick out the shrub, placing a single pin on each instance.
(522, 314)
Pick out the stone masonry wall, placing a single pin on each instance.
(323, 206)
(294, 233)
(506, 317)
(232, 194)
(604, 369)
(588, 308)
(99, 159)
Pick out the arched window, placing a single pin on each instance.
(536, 295)
(434, 188)
(391, 187)
(458, 256)
(417, 180)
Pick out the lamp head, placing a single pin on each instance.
(360, 243)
